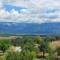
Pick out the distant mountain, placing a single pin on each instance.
(30, 28)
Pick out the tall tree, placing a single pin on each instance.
(44, 47)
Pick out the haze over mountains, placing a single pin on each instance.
(30, 28)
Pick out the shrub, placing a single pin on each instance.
(24, 55)
(12, 56)
(27, 55)
(4, 45)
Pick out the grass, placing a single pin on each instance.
(2, 57)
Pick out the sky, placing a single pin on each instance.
(30, 11)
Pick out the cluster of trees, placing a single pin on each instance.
(30, 46)
(27, 45)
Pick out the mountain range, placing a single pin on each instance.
(52, 28)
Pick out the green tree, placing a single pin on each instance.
(44, 47)
(57, 38)
(37, 39)
(4, 45)
(58, 51)
(25, 43)
(17, 42)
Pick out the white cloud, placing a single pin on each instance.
(3, 14)
(37, 11)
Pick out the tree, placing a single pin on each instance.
(37, 39)
(4, 45)
(25, 43)
(44, 47)
(57, 37)
(58, 51)
(17, 42)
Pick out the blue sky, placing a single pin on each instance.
(30, 11)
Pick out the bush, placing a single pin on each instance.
(25, 43)
(27, 55)
(51, 55)
(12, 56)
(24, 55)
(37, 39)
(4, 45)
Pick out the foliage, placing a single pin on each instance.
(50, 55)
(26, 43)
(29, 46)
(12, 56)
(37, 39)
(2, 58)
(50, 38)
(23, 55)
(4, 45)
(27, 55)
(24, 40)
(58, 51)
(44, 47)
(28, 49)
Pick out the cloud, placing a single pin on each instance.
(30, 11)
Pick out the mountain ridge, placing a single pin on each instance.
(52, 28)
